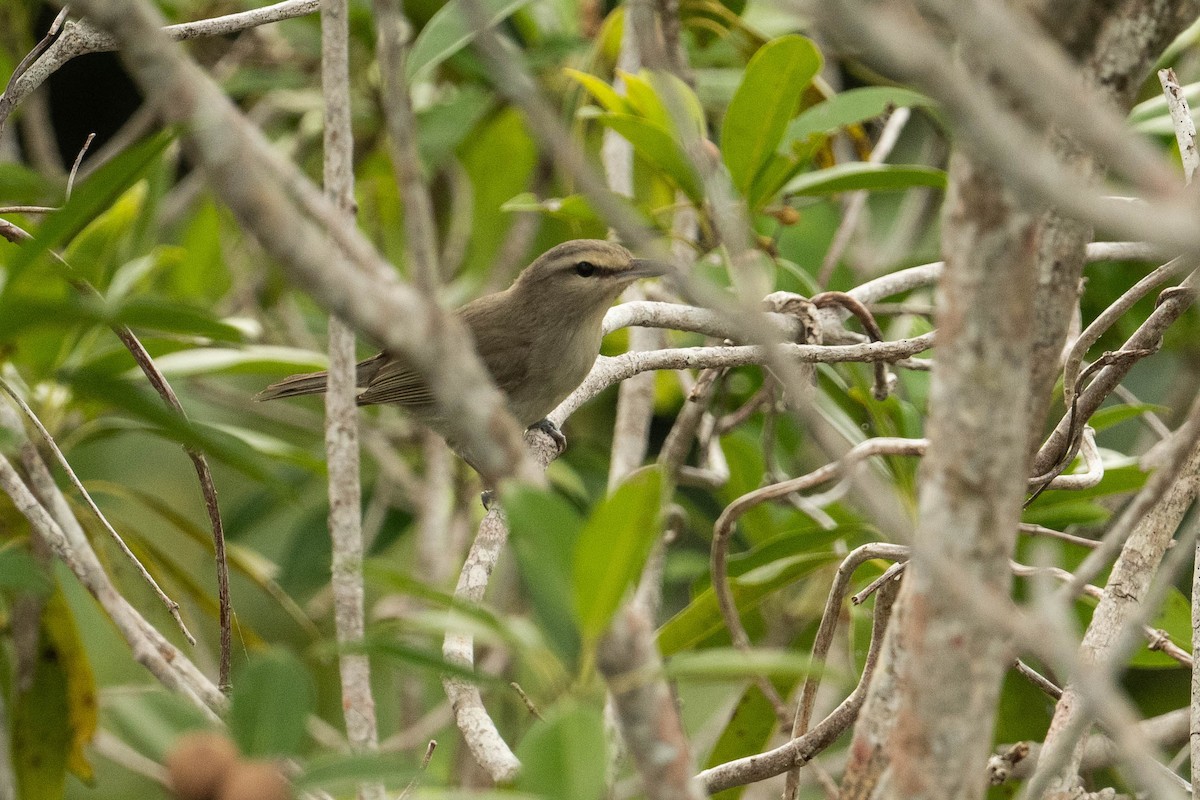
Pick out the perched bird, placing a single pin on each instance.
(538, 338)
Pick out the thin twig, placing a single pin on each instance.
(825, 632)
(208, 488)
(723, 530)
(341, 421)
(799, 751)
(170, 604)
(75, 167)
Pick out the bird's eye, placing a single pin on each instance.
(585, 269)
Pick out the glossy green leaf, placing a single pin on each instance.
(612, 549)
(701, 618)
(861, 175)
(450, 30)
(272, 698)
(563, 756)
(848, 108)
(767, 98)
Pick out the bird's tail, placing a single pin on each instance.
(315, 382)
(295, 386)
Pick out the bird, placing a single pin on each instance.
(538, 339)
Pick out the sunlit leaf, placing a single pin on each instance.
(658, 147)
(91, 197)
(767, 98)
(606, 95)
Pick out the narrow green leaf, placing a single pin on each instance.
(848, 108)
(862, 175)
(253, 359)
(1114, 415)
(727, 663)
(572, 208)
(272, 698)
(764, 102)
(612, 548)
(450, 30)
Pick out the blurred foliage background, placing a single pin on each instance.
(793, 126)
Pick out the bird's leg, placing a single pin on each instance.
(550, 429)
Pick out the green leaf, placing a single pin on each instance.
(730, 664)
(450, 30)
(605, 95)
(563, 756)
(340, 773)
(1114, 415)
(701, 618)
(764, 102)
(572, 208)
(612, 549)
(164, 421)
(55, 716)
(658, 147)
(91, 197)
(272, 698)
(749, 730)
(863, 175)
(1175, 617)
(252, 359)
(848, 108)
(544, 529)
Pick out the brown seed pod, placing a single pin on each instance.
(255, 780)
(199, 763)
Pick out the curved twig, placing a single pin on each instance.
(798, 752)
(723, 529)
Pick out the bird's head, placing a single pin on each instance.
(585, 274)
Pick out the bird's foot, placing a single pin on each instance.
(550, 429)
(487, 497)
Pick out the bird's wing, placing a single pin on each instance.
(395, 382)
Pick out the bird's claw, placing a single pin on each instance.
(487, 497)
(550, 429)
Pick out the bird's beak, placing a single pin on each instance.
(648, 268)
